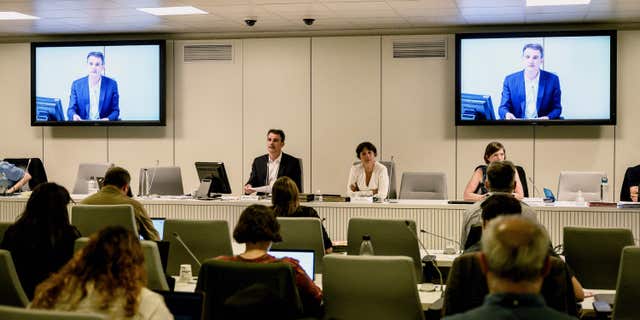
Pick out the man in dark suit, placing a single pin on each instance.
(531, 93)
(273, 165)
(94, 97)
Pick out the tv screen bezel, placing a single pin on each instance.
(613, 77)
(161, 122)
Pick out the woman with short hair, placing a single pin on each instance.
(476, 189)
(368, 176)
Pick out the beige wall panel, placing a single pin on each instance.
(19, 138)
(472, 140)
(345, 106)
(137, 147)
(208, 113)
(627, 131)
(417, 111)
(588, 148)
(277, 94)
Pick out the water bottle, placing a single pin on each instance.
(318, 196)
(366, 248)
(580, 198)
(92, 185)
(145, 182)
(604, 189)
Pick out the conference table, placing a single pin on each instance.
(435, 216)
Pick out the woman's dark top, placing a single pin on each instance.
(482, 189)
(36, 255)
(308, 212)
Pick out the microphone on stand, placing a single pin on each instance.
(446, 250)
(535, 187)
(428, 258)
(184, 245)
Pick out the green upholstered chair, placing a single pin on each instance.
(594, 254)
(14, 313)
(91, 218)
(302, 234)
(628, 287)
(389, 238)
(370, 287)
(11, 292)
(206, 239)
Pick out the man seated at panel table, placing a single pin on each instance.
(515, 261)
(273, 165)
(629, 190)
(114, 191)
(500, 180)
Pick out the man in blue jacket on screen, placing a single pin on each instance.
(531, 93)
(94, 97)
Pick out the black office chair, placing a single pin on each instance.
(523, 181)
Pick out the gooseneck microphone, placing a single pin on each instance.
(428, 258)
(540, 194)
(184, 245)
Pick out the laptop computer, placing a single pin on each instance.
(158, 223)
(306, 258)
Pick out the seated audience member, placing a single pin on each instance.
(629, 190)
(286, 203)
(515, 262)
(41, 240)
(257, 228)
(369, 174)
(476, 188)
(107, 277)
(14, 178)
(265, 169)
(501, 179)
(114, 191)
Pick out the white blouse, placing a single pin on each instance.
(379, 180)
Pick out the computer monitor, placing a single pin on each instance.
(476, 107)
(215, 172)
(49, 109)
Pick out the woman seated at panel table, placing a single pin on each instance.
(369, 177)
(257, 228)
(476, 189)
(107, 277)
(286, 203)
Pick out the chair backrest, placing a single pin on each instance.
(360, 287)
(11, 292)
(91, 218)
(570, 182)
(423, 185)
(206, 239)
(302, 234)
(523, 181)
(162, 181)
(388, 237)
(220, 280)
(391, 170)
(3, 228)
(34, 166)
(628, 285)
(594, 254)
(156, 279)
(14, 313)
(86, 171)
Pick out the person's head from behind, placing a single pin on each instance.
(284, 196)
(366, 152)
(118, 177)
(514, 253)
(532, 57)
(501, 177)
(112, 261)
(499, 205)
(494, 152)
(257, 224)
(95, 63)
(275, 141)
(47, 207)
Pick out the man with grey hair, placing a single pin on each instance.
(515, 260)
(500, 180)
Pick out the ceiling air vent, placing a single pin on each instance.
(208, 52)
(436, 48)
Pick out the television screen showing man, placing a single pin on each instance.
(94, 97)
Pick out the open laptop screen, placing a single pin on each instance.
(306, 258)
(158, 223)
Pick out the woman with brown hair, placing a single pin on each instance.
(108, 277)
(476, 189)
(286, 203)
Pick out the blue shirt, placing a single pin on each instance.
(512, 306)
(13, 173)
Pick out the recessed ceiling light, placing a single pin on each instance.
(172, 11)
(534, 3)
(12, 15)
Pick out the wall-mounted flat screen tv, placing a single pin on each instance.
(98, 83)
(536, 78)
